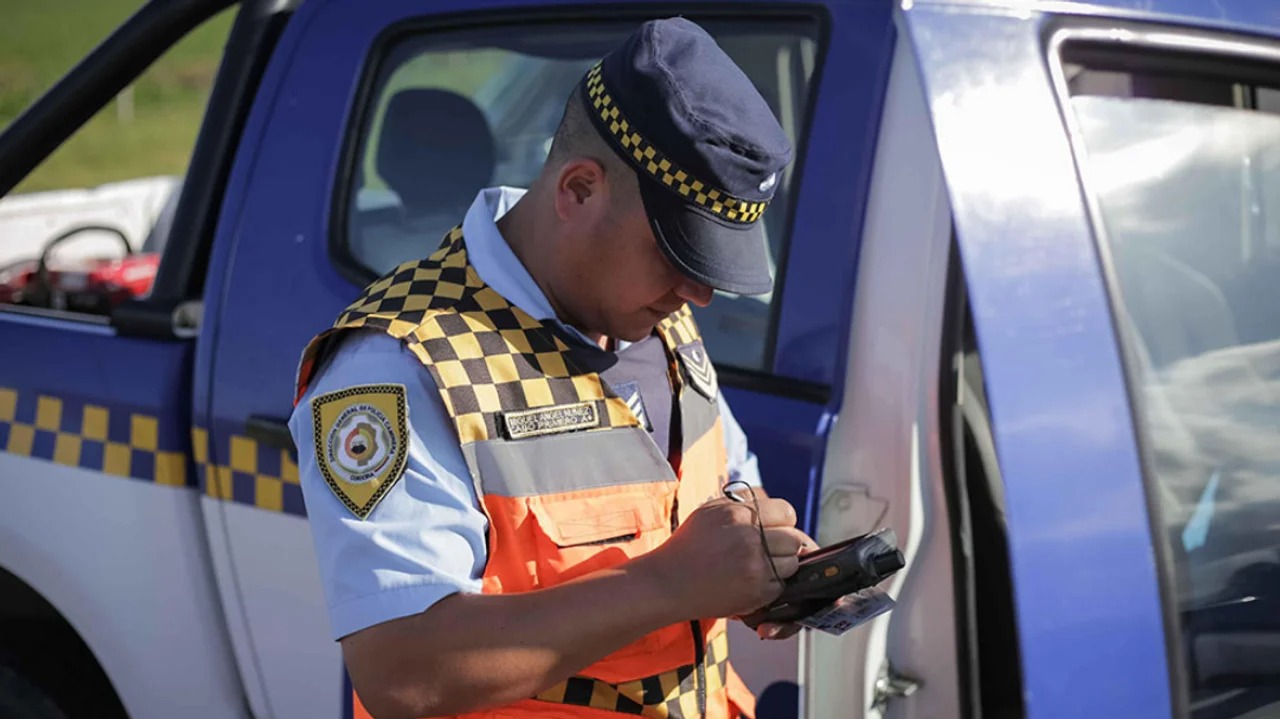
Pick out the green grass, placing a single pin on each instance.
(39, 44)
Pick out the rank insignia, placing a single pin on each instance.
(629, 392)
(698, 368)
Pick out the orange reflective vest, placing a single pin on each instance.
(570, 481)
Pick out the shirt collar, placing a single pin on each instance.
(497, 265)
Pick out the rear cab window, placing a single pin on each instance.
(1180, 157)
(85, 231)
(499, 91)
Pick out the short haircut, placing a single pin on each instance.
(577, 137)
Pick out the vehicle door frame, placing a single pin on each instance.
(1083, 561)
(167, 322)
(1184, 51)
(883, 463)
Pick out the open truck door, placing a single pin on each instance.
(103, 549)
(985, 413)
(1057, 416)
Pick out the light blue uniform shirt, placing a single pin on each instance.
(426, 539)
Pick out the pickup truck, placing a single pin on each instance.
(1028, 262)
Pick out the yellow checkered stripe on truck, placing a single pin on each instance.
(135, 444)
(247, 472)
(112, 440)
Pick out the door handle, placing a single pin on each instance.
(270, 431)
(891, 685)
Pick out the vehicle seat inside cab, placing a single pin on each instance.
(1202, 335)
(1179, 312)
(435, 151)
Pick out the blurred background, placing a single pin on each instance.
(150, 128)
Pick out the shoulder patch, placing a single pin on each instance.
(361, 442)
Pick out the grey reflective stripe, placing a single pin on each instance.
(698, 416)
(565, 462)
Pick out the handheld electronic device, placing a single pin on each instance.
(830, 573)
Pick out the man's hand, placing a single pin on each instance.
(471, 652)
(716, 564)
(778, 631)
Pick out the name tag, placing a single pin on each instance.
(551, 420)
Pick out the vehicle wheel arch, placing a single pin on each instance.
(41, 645)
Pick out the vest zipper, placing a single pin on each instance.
(700, 662)
(699, 651)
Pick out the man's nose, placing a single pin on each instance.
(694, 291)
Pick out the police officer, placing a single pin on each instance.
(514, 453)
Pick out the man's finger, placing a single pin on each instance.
(777, 513)
(785, 541)
(785, 566)
(777, 631)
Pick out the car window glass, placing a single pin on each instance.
(499, 93)
(1186, 176)
(99, 208)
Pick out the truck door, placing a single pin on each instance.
(97, 347)
(990, 408)
(335, 191)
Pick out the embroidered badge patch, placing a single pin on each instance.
(361, 443)
(551, 420)
(698, 368)
(630, 393)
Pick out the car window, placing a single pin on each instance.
(499, 93)
(1186, 176)
(84, 231)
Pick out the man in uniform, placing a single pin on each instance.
(514, 454)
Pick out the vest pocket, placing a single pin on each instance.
(567, 527)
(583, 532)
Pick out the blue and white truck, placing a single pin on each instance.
(1027, 314)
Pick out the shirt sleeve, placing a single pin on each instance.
(426, 538)
(741, 460)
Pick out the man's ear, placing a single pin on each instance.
(580, 187)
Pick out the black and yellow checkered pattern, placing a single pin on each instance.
(487, 356)
(648, 158)
(670, 695)
(253, 474)
(129, 443)
(679, 328)
(117, 441)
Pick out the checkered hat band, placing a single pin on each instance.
(669, 695)
(648, 158)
